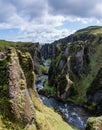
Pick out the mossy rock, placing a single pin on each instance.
(94, 123)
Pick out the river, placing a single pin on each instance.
(73, 114)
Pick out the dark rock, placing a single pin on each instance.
(49, 51)
(94, 93)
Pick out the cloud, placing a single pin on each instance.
(46, 35)
(6, 11)
(77, 8)
(39, 20)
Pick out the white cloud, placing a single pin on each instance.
(43, 36)
(38, 20)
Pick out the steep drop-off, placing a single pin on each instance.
(75, 74)
(76, 64)
(20, 105)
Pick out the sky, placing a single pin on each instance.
(44, 21)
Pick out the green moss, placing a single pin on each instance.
(58, 60)
(4, 45)
(91, 66)
(27, 65)
(4, 99)
(48, 60)
(94, 123)
(50, 120)
(3, 69)
(82, 83)
(46, 118)
(5, 109)
(48, 90)
(43, 69)
(22, 84)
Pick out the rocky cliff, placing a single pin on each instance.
(49, 51)
(71, 62)
(76, 66)
(74, 75)
(20, 105)
(94, 93)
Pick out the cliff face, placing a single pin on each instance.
(94, 93)
(75, 67)
(70, 63)
(59, 75)
(34, 50)
(20, 105)
(49, 51)
(75, 74)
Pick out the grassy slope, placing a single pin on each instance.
(47, 118)
(2, 126)
(91, 30)
(6, 44)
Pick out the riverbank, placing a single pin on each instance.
(72, 113)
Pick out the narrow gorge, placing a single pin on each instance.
(55, 86)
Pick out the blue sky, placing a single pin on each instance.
(46, 20)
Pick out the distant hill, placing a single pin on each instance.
(91, 30)
(81, 34)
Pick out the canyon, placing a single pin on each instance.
(65, 75)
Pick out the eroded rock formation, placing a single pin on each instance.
(21, 103)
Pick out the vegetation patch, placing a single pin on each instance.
(48, 90)
(94, 123)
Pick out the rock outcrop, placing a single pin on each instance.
(75, 74)
(21, 103)
(49, 51)
(94, 93)
(94, 123)
(79, 59)
(68, 64)
(19, 100)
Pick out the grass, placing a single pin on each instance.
(95, 64)
(91, 30)
(24, 46)
(81, 85)
(58, 60)
(50, 120)
(31, 127)
(48, 90)
(47, 118)
(2, 126)
(43, 69)
(48, 60)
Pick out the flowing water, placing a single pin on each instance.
(40, 82)
(73, 114)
